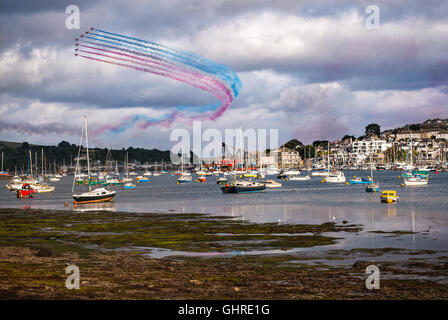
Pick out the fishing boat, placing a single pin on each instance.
(147, 173)
(389, 196)
(272, 184)
(95, 195)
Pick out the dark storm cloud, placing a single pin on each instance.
(281, 66)
(27, 7)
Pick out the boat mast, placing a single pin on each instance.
(87, 145)
(2, 161)
(31, 164)
(42, 163)
(77, 159)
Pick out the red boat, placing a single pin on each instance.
(26, 191)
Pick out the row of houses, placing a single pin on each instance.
(428, 145)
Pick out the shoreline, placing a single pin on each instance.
(37, 245)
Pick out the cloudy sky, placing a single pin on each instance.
(309, 68)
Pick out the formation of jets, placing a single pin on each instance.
(80, 37)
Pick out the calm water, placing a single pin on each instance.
(423, 210)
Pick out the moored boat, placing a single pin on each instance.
(92, 196)
(272, 184)
(389, 196)
(26, 191)
(243, 187)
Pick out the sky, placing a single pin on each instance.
(311, 69)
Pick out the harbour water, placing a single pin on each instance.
(418, 221)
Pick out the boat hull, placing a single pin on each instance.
(372, 189)
(243, 189)
(93, 199)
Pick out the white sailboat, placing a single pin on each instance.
(185, 176)
(95, 195)
(336, 176)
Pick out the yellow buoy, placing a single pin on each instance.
(347, 183)
(354, 176)
(402, 184)
(399, 177)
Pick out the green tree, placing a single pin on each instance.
(347, 137)
(293, 144)
(373, 128)
(64, 144)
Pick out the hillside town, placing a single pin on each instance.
(384, 150)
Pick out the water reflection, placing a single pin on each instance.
(86, 207)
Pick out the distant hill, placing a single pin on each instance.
(430, 124)
(17, 154)
(11, 145)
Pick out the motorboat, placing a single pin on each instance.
(359, 180)
(141, 179)
(416, 180)
(185, 178)
(297, 177)
(389, 196)
(272, 184)
(335, 177)
(272, 171)
(319, 173)
(129, 185)
(25, 191)
(243, 187)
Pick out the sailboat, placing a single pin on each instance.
(185, 176)
(412, 178)
(156, 171)
(336, 176)
(372, 187)
(95, 195)
(242, 186)
(3, 174)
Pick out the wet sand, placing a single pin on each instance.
(37, 246)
